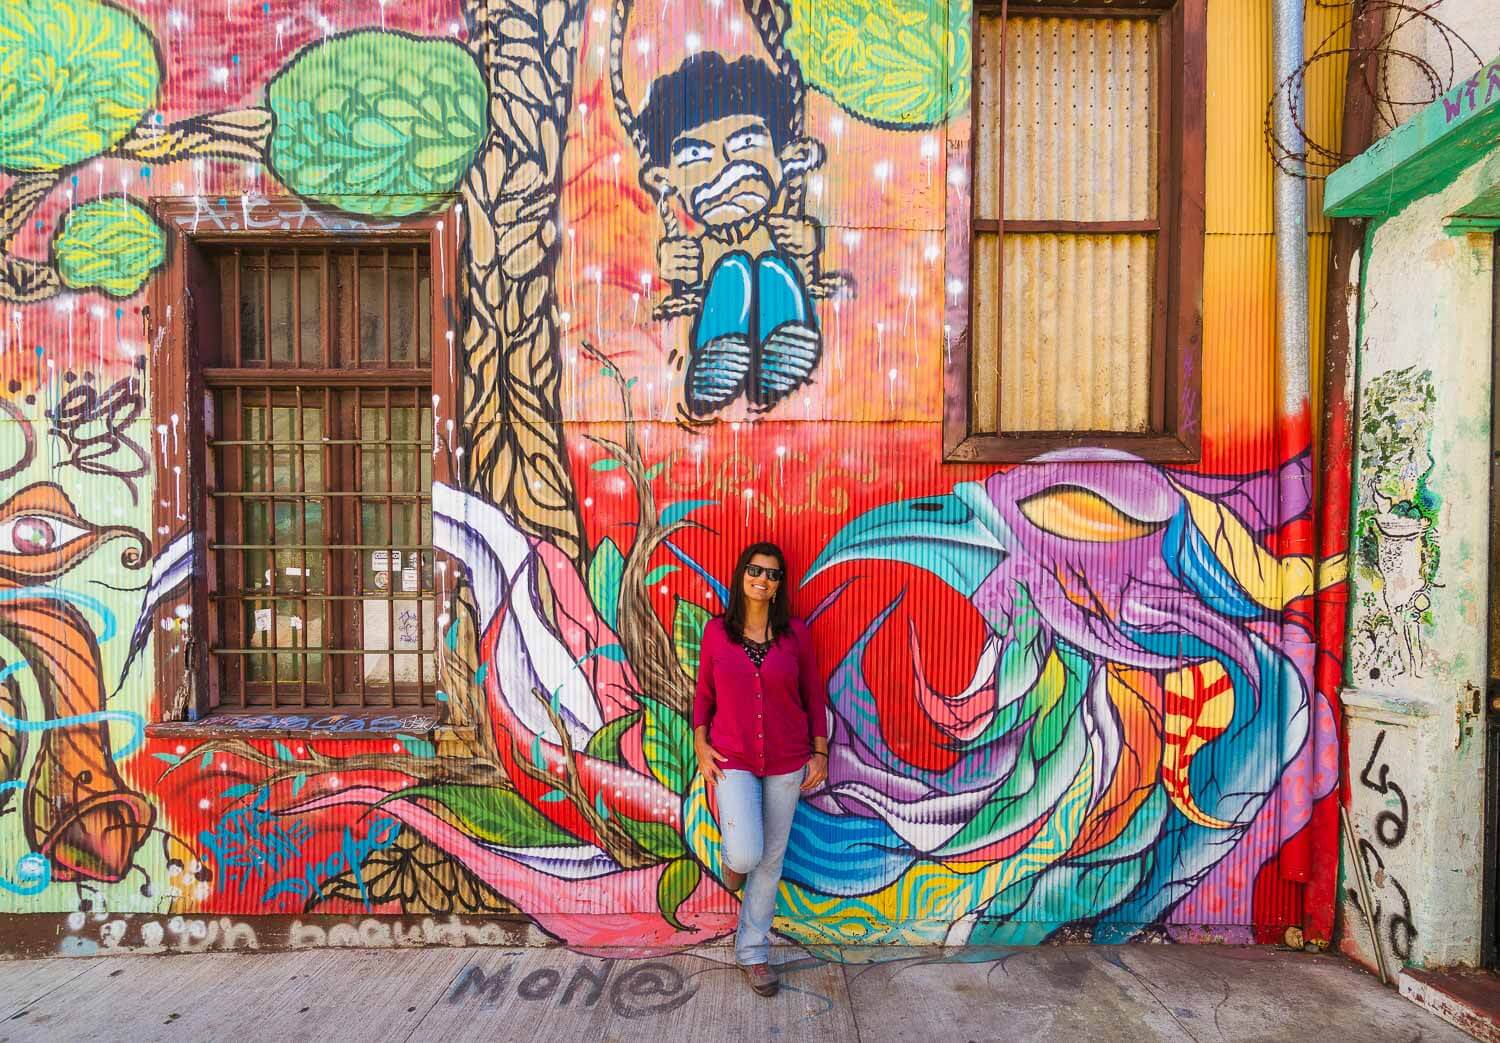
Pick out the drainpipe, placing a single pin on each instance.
(1289, 201)
(1336, 438)
(1293, 419)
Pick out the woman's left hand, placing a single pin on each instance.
(817, 772)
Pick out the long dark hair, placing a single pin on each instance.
(781, 607)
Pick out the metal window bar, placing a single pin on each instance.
(252, 485)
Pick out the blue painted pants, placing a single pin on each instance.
(755, 815)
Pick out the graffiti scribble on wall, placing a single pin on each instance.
(1392, 904)
(1396, 537)
(1063, 695)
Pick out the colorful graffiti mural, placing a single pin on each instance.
(701, 255)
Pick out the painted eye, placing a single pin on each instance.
(1081, 514)
(36, 534)
(747, 140)
(688, 155)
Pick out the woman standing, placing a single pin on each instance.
(760, 725)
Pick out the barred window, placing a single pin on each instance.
(302, 390)
(321, 566)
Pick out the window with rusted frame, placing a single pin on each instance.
(1085, 251)
(318, 362)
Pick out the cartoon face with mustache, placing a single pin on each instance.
(727, 170)
(719, 137)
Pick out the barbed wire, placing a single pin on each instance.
(1316, 159)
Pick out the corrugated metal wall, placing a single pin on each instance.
(975, 798)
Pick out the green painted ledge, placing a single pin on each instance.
(1482, 213)
(1423, 154)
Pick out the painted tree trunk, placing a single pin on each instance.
(510, 245)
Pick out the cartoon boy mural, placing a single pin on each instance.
(720, 136)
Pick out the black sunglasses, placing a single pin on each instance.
(774, 575)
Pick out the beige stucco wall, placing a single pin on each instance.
(1473, 38)
(1416, 666)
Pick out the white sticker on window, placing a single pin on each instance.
(293, 570)
(409, 580)
(385, 561)
(262, 620)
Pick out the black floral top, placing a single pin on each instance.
(756, 650)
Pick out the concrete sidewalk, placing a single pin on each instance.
(1140, 992)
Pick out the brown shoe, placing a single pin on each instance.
(762, 978)
(732, 880)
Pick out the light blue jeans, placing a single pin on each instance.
(755, 815)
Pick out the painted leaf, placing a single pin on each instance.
(417, 747)
(887, 61)
(283, 753)
(607, 464)
(658, 574)
(677, 884)
(111, 245)
(656, 469)
(606, 571)
(492, 814)
(13, 741)
(714, 585)
(604, 744)
(688, 621)
(655, 838)
(674, 512)
(244, 789)
(668, 745)
(298, 783)
(401, 116)
(76, 76)
(613, 651)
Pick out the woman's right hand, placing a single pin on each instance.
(708, 762)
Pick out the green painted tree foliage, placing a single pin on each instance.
(886, 61)
(377, 122)
(76, 77)
(111, 245)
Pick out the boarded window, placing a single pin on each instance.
(1086, 245)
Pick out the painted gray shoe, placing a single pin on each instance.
(716, 373)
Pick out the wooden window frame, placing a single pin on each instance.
(181, 315)
(1177, 319)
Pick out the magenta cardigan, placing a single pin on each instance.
(763, 720)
